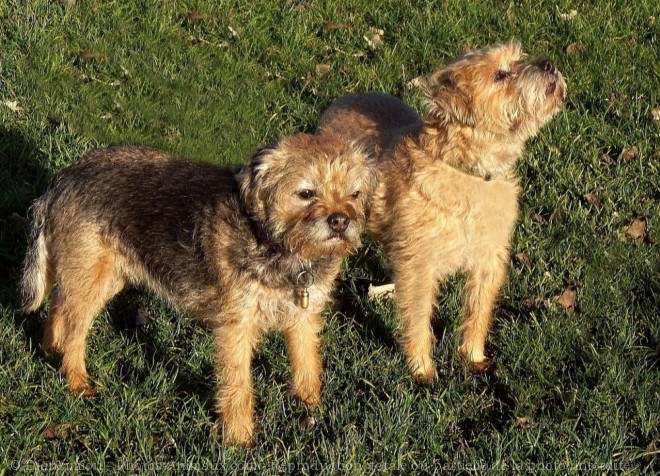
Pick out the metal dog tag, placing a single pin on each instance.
(304, 298)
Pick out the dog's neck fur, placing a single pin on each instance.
(476, 153)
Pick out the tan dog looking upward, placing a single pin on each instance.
(447, 199)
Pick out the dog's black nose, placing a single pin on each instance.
(338, 222)
(546, 65)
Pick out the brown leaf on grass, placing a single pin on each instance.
(88, 56)
(567, 299)
(195, 17)
(301, 6)
(637, 230)
(537, 218)
(374, 41)
(523, 259)
(322, 69)
(569, 15)
(522, 423)
(418, 82)
(308, 422)
(655, 114)
(533, 303)
(606, 159)
(575, 49)
(329, 26)
(593, 200)
(630, 152)
(15, 106)
(652, 449)
(51, 433)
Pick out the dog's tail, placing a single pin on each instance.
(36, 282)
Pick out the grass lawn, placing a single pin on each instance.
(570, 389)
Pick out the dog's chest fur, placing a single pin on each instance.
(454, 216)
(267, 281)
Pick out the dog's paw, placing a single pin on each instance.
(233, 435)
(425, 374)
(475, 361)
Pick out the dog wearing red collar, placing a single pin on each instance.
(243, 252)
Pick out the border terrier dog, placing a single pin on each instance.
(243, 251)
(447, 199)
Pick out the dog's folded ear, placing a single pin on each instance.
(251, 178)
(446, 101)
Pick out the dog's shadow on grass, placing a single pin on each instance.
(23, 177)
(130, 316)
(350, 297)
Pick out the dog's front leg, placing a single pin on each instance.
(484, 282)
(235, 340)
(303, 342)
(416, 287)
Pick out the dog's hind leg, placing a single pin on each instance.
(87, 280)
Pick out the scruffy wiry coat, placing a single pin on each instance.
(447, 198)
(226, 247)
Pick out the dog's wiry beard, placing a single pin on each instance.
(540, 98)
(312, 239)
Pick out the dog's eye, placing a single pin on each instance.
(307, 194)
(501, 74)
(355, 194)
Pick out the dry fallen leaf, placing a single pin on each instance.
(568, 16)
(308, 422)
(533, 303)
(567, 299)
(655, 113)
(575, 48)
(630, 153)
(15, 106)
(539, 219)
(322, 69)
(418, 82)
(194, 17)
(89, 56)
(329, 26)
(522, 258)
(382, 291)
(522, 423)
(637, 230)
(375, 42)
(652, 449)
(606, 159)
(593, 200)
(51, 432)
